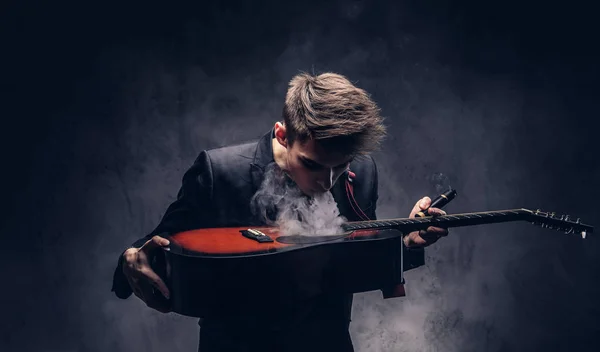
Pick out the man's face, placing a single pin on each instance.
(314, 169)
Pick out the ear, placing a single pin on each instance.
(280, 134)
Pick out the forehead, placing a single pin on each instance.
(322, 154)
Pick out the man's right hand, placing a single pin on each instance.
(142, 279)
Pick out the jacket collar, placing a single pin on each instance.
(263, 156)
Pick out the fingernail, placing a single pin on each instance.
(423, 202)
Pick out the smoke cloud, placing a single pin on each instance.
(440, 182)
(279, 202)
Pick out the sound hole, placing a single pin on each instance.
(302, 239)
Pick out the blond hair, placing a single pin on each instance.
(328, 108)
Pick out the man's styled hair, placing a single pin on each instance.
(329, 109)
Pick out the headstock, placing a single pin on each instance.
(560, 223)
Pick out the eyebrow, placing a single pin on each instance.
(319, 165)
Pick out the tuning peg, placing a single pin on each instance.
(552, 214)
(566, 217)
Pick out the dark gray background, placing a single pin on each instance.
(106, 105)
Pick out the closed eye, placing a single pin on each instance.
(313, 165)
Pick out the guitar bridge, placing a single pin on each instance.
(256, 235)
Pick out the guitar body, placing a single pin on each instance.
(224, 272)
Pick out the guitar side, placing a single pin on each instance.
(236, 241)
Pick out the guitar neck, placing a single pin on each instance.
(455, 220)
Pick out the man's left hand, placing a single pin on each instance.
(424, 238)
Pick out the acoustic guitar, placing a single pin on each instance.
(224, 272)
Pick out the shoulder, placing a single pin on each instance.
(222, 163)
(231, 156)
(365, 171)
(229, 166)
(364, 180)
(226, 156)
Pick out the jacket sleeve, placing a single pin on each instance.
(412, 257)
(191, 210)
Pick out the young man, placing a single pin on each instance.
(329, 129)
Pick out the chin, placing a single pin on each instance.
(315, 192)
(309, 192)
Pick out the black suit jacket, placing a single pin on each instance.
(216, 192)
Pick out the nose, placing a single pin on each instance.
(325, 185)
(326, 180)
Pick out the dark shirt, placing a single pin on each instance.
(216, 192)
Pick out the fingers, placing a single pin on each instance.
(428, 237)
(144, 289)
(435, 231)
(155, 281)
(152, 299)
(135, 287)
(436, 212)
(425, 237)
(424, 203)
(155, 242)
(145, 283)
(129, 258)
(438, 231)
(421, 205)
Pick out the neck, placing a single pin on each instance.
(279, 154)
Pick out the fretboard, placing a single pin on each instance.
(446, 221)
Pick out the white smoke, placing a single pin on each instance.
(279, 202)
(440, 182)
